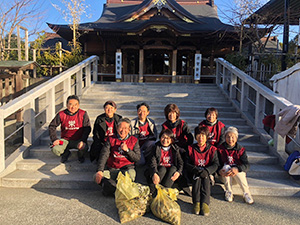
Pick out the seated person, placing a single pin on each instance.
(104, 126)
(119, 153)
(166, 163)
(216, 127)
(234, 165)
(201, 161)
(144, 129)
(183, 136)
(75, 129)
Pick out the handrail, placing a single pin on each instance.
(230, 79)
(26, 103)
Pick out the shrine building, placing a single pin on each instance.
(155, 40)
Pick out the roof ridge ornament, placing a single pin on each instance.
(159, 3)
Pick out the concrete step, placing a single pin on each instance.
(72, 165)
(266, 187)
(156, 106)
(69, 179)
(44, 152)
(154, 113)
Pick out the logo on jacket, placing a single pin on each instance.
(230, 160)
(201, 162)
(72, 123)
(143, 133)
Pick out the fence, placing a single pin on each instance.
(253, 99)
(45, 101)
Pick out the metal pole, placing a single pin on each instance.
(285, 34)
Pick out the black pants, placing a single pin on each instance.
(165, 174)
(201, 190)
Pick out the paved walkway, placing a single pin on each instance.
(58, 206)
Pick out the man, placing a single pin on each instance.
(144, 129)
(104, 127)
(75, 129)
(119, 153)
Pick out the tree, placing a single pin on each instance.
(72, 14)
(17, 13)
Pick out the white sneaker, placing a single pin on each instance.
(248, 198)
(228, 196)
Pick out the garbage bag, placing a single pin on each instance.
(131, 206)
(164, 205)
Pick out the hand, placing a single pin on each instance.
(155, 179)
(124, 147)
(196, 171)
(81, 145)
(175, 176)
(99, 176)
(56, 142)
(223, 173)
(233, 171)
(204, 174)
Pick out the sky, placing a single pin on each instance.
(95, 7)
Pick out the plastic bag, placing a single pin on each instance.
(164, 205)
(131, 206)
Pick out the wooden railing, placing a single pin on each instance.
(253, 99)
(48, 98)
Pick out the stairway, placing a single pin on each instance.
(44, 170)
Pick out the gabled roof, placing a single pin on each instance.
(273, 12)
(196, 18)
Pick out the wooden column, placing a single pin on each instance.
(19, 87)
(141, 66)
(174, 65)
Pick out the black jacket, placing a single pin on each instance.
(99, 132)
(156, 154)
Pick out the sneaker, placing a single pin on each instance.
(205, 209)
(196, 209)
(248, 198)
(65, 156)
(228, 196)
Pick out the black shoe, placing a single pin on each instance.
(65, 156)
(81, 159)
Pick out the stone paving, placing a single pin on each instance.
(63, 206)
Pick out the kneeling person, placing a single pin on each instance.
(119, 153)
(75, 129)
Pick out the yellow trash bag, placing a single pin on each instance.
(132, 199)
(164, 205)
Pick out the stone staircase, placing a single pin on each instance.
(43, 170)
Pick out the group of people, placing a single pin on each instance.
(120, 144)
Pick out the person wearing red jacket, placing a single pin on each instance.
(75, 129)
(166, 164)
(119, 154)
(234, 165)
(201, 161)
(216, 127)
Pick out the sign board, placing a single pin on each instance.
(118, 65)
(197, 72)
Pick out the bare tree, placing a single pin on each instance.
(241, 14)
(72, 14)
(17, 13)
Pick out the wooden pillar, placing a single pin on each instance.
(34, 59)
(174, 65)
(141, 66)
(2, 142)
(60, 57)
(26, 46)
(19, 87)
(19, 44)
